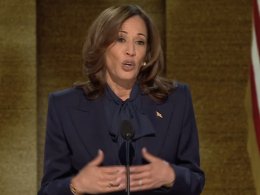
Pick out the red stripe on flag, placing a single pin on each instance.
(256, 114)
(257, 24)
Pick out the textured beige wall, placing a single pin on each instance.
(252, 145)
(17, 97)
(208, 46)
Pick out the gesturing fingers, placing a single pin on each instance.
(148, 156)
(150, 176)
(111, 178)
(98, 159)
(141, 177)
(94, 179)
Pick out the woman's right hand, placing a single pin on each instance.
(94, 179)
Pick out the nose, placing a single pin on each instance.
(130, 50)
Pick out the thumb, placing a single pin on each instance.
(98, 159)
(148, 156)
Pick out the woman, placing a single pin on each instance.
(84, 151)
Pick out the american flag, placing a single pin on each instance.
(255, 70)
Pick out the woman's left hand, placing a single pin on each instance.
(155, 174)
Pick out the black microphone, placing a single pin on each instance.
(127, 132)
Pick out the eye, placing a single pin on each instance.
(120, 40)
(140, 42)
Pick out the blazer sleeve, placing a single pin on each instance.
(190, 178)
(57, 166)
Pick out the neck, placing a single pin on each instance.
(121, 90)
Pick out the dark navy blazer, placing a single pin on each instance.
(76, 130)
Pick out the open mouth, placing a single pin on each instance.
(128, 65)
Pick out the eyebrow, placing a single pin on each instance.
(122, 31)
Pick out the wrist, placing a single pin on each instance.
(168, 185)
(171, 180)
(73, 188)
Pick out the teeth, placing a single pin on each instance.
(128, 63)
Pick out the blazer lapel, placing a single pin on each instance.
(160, 115)
(90, 123)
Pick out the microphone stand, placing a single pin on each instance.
(127, 133)
(128, 167)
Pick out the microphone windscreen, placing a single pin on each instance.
(127, 131)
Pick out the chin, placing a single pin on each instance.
(128, 79)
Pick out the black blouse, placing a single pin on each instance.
(117, 110)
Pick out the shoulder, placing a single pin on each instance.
(181, 98)
(67, 96)
(180, 91)
(66, 93)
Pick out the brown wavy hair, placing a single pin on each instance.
(104, 31)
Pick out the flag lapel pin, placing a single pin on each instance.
(158, 114)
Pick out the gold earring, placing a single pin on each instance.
(144, 64)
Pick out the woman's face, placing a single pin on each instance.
(125, 56)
